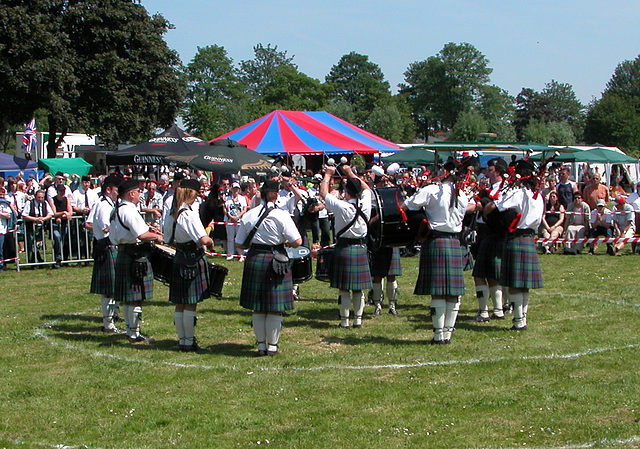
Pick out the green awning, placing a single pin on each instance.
(65, 165)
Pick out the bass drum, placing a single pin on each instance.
(388, 226)
(300, 264)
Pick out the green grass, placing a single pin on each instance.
(571, 380)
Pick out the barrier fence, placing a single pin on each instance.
(50, 243)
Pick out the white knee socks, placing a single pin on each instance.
(357, 299)
(189, 323)
(273, 324)
(345, 304)
(438, 307)
(178, 320)
(259, 329)
(451, 314)
(496, 295)
(482, 293)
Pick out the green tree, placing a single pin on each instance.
(615, 118)
(536, 131)
(556, 103)
(441, 87)
(272, 81)
(359, 82)
(614, 121)
(470, 123)
(101, 67)
(213, 93)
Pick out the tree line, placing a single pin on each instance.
(103, 67)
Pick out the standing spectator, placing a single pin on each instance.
(565, 187)
(62, 213)
(35, 214)
(634, 201)
(595, 191)
(7, 222)
(577, 223)
(624, 223)
(151, 204)
(234, 208)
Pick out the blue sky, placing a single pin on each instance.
(527, 44)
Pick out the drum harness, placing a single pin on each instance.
(281, 264)
(137, 251)
(188, 255)
(360, 241)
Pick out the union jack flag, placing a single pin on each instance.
(29, 139)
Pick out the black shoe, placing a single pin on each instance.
(514, 328)
(496, 317)
(377, 312)
(393, 311)
(340, 326)
(262, 352)
(438, 342)
(481, 319)
(112, 330)
(141, 338)
(610, 251)
(190, 348)
(272, 353)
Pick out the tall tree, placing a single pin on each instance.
(359, 82)
(272, 81)
(213, 93)
(101, 67)
(557, 102)
(443, 86)
(615, 118)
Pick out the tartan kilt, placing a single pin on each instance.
(103, 277)
(520, 265)
(189, 291)
(441, 268)
(488, 263)
(385, 262)
(125, 289)
(262, 290)
(350, 268)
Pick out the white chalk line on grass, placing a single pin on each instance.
(620, 302)
(587, 445)
(553, 356)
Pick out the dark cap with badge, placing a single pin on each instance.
(192, 184)
(126, 186)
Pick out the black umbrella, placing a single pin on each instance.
(152, 152)
(225, 156)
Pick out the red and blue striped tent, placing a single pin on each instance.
(307, 133)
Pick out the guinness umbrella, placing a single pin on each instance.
(225, 156)
(152, 152)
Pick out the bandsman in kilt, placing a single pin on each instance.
(103, 277)
(190, 275)
(267, 285)
(384, 262)
(520, 266)
(442, 257)
(488, 253)
(134, 276)
(350, 272)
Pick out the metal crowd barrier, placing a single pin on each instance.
(41, 245)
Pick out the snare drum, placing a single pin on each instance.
(161, 259)
(386, 226)
(301, 264)
(323, 267)
(217, 274)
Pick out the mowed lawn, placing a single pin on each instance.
(571, 380)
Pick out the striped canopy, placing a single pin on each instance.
(305, 132)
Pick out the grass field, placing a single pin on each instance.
(572, 380)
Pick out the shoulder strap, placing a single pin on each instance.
(117, 214)
(173, 230)
(359, 213)
(247, 241)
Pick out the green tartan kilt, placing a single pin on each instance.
(385, 262)
(520, 264)
(488, 263)
(126, 289)
(103, 277)
(350, 268)
(441, 268)
(189, 291)
(262, 290)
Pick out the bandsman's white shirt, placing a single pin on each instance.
(523, 201)
(436, 201)
(130, 216)
(278, 227)
(344, 212)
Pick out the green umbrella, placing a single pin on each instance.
(610, 156)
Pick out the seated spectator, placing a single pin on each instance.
(624, 223)
(601, 219)
(577, 223)
(552, 221)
